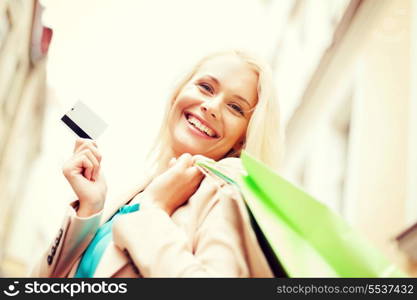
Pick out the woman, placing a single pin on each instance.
(177, 222)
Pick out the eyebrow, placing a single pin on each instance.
(234, 96)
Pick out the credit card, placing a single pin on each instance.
(84, 122)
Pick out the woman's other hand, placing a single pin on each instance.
(172, 188)
(83, 173)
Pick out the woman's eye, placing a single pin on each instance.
(236, 108)
(206, 87)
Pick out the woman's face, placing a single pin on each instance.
(212, 111)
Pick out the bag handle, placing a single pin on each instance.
(273, 261)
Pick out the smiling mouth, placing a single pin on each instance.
(200, 126)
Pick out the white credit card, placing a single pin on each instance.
(84, 122)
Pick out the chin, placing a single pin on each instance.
(185, 147)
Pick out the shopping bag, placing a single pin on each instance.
(306, 237)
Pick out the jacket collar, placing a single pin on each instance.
(112, 206)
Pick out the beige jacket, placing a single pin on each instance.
(209, 236)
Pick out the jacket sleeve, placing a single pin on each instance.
(71, 240)
(159, 248)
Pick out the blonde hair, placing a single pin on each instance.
(263, 135)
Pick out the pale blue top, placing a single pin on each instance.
(92, 255)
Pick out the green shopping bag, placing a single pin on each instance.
(306, 237)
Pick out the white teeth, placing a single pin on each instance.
(200, 126)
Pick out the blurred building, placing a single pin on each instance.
(23, 44)
(346, 69)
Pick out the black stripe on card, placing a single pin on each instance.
(78, 131)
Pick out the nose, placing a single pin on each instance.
(211, 107)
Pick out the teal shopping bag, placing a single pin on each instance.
(307, 238)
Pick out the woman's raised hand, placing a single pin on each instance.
(172, 188)
(83, 173)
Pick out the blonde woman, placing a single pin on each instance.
(179, 221)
